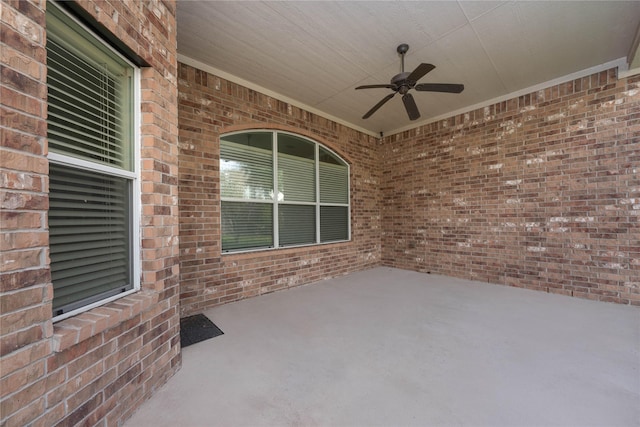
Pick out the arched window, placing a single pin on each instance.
(281, 190)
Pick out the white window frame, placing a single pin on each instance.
(132, 176)
(275, 203)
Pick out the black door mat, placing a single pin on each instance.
(194, 329)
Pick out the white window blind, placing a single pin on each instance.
(89, 96)
(334, 183)
(296, 169)
(334, 197)
(296, 178)
(246, 172)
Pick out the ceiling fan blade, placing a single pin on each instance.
(378, 105)
(410, 105)
(440, 87)
(420, 72)
(376, 86)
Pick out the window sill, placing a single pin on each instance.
(71, 331)
(285, 249)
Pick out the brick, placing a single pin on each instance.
(24, 414)
(25, 143)
(22, 181)
(21, 378)
(64, 338)
(24, 162)
(21, 122)
(13, 200)
(51, 416)
(86, 385)
(23, 24)
(23, 279)
(21, 101)
(12, 220)
(79, 413)
(22, 63)
(20, 260)
(17, 300)
(18, 320)
(23, 397)
(83, 328)
(22, 44)
(24, 357)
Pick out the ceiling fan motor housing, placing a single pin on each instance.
(400, 80)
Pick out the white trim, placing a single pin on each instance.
(67, 160)
(269, 248)
(93, 305)
(294, 203)
(276, 191)
(317, 178)
(620, 63)
(339, 205)
(623, 74)
(136, 209)
(230, 77)
(243, 200)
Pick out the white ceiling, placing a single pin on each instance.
(314, 53)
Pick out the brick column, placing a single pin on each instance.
(25, 288)
(99, 366)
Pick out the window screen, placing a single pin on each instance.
(89, 217)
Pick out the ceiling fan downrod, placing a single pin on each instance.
(402, 49)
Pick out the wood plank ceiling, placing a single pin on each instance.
(315, 53)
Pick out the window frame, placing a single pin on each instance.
(133, 175)
(276, 203)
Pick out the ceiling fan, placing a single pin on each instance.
(402, 83)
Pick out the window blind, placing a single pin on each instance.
(334, 223)
(89, 216)
(246, 225)
(334, 183)
(296, 224)
(246, 172)
(89, 96)
(296, 178)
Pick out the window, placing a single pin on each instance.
(93, 175)
(281, 190)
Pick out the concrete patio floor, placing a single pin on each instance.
(397, 348)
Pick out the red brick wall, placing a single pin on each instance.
(210, 106)
(540, 192)
(95, 368)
